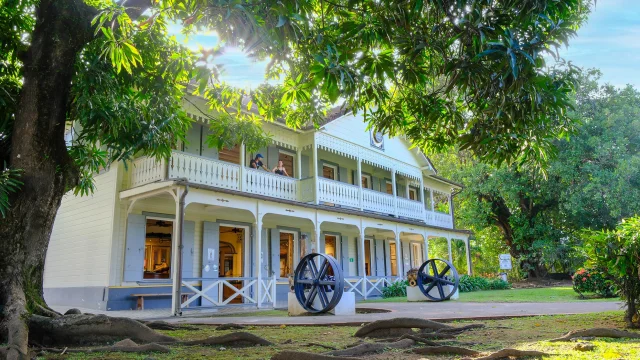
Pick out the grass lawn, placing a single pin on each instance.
(551, 294)
(522, 333)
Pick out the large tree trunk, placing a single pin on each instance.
(38, 149)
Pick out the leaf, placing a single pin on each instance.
(281, 21)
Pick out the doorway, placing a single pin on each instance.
(393, 258)
(231, 259)
(367, 257)
(287, 252)
(157, 249)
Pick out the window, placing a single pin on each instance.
(287, 161)
(157, 249)
(367, 257)
(366, 181)
(286, 254)
(393, 259)
(389, 187)
(329, 171)
(413, 194)
(417, 255)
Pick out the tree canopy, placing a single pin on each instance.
(592, 183)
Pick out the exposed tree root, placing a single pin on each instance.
(236, 339)
(507, 353)
(90, 329)
(416, 338)
(73, 311)
(388, 333)
(598, 332)
(163, 325)
(299, 355)
(371, 348)
(435, 335)
(46, 311)
(320, 345)
(230, 326)
(400, 323)
(459, 330)
(445, 349)
(126, 345)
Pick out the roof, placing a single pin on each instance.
(445, 180)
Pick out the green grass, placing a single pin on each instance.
(543, 295)
(531, 333)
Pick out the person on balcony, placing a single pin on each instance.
(280, 170)
(257, 163)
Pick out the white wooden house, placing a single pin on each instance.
(370, 201)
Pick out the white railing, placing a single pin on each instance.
(307, 189)
(146, 170)
(214, 290)
(353, 284)
(378, 201)
(438, 219)
(377, 283)
(204, 171)
(411, 209)
(338, 193)
(269, 184)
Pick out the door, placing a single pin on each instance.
(367, 257)
(380, 266)
(135, 248)
(287, 162)
(329, 171)
(231, 260)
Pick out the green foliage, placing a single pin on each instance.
(592, 183)
(594, 281)
(9, 184)
(398, 288)
(476, 283)
(617, 252)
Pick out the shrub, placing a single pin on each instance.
(398, 288)
(475, 283)
(592, 280)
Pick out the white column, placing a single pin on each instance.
(433, 207)
(449, 246)
(242, 160)
(451, 210)
(468, 249)
(422, 198)
(395, 199)
(406, 188)
(298, 170)
(426, 247)
(176, 260)
(318, 233)
(361, 261)
(359, 180)
(399, 256)
(314, 165)
(257, 228)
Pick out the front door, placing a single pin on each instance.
(231, 258)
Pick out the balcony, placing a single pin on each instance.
(224, 175)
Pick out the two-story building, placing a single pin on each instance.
(370, 201)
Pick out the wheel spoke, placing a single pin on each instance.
(323, 297)
(323, 269)
(428, 277)
(431, 285)
(314, 269)
(434, 268)
(445, 281)
(312, 296)
(327, 282)
(444, 272)
(305, 281)
(441, 291)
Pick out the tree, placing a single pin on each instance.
(443, 72)
(593, 182)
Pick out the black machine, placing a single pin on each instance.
(318, 276)
(440, 275)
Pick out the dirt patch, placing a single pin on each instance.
(541, 283)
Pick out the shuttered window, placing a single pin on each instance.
(230, 155)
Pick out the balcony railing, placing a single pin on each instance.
(220, 174)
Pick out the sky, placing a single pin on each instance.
(609, 41)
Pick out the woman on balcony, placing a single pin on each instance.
(280, 170)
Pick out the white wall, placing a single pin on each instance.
(80, 248)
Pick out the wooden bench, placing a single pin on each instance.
(140, 305)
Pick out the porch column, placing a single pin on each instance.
(318, 233)
(422, 198)
(433, 206)
(257, 230)
(176, 260)
(406, 188)
(468, 249)
(449, 246)
(298, 169)
(242, 160)
(426, 247)
(395, 192)
(358, 180)
(361, 262)
(399, 257)
(314, 165)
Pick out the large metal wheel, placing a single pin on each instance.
(318, 283)
(445, 282)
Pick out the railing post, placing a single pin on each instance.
(314, 166)
(273, 290)
(242, 170)
(359, 182)
(424, 215)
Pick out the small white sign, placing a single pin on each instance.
(505, 261)
(211, 254)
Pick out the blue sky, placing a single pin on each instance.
(609, 41)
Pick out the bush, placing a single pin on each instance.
(592, 280)
(398, 288)
(475, 283)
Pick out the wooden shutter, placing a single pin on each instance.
(343, 174)
(188, 238)
(210, 258)
(380, 265)
(230, 155)
(275, 253)
(344, 255)
(134, 252)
